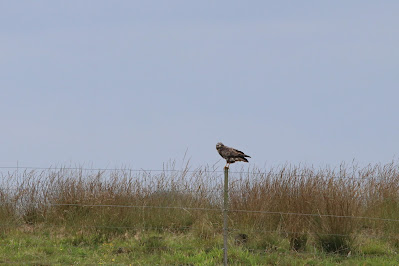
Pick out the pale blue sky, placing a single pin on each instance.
(137, 83)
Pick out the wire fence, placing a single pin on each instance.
(33, 196)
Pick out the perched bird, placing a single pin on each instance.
(231, 155)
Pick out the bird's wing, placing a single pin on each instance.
(240, 153)
(224, 152)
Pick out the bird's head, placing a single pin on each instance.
(219, 145)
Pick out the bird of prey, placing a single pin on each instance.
(230, 154)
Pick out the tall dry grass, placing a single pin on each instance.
(295, 201)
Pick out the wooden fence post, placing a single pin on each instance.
(225, 212)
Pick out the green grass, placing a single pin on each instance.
(52, 246)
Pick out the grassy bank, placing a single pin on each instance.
(310, 215)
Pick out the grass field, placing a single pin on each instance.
(49, 246)
(284, 216)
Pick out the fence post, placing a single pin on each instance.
(225, 210)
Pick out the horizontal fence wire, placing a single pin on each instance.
(142, 228)
(186, 171)
(117, 206)
(317, 215)
(208, 209)
(104, 169)
(200, 190)
(167, 190)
